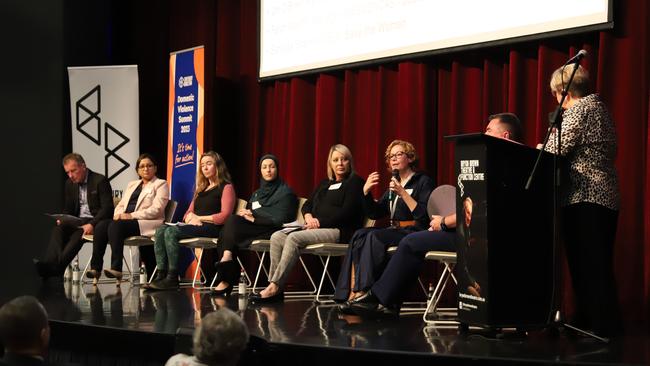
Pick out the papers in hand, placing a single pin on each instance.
(176, 223)
(67, 219)
(291, 226)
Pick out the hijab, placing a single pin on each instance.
(267, 188)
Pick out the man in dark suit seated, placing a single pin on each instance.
(24, 332)
(89, 196)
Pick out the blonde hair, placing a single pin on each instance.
(408, 149)
(223, 176)
(580, 86)
(342, 149)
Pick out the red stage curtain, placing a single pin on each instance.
(423, 100)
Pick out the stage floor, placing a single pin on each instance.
(304, 323)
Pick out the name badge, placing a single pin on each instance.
(334, 187)
(256, 205)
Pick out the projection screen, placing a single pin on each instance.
(303, 36)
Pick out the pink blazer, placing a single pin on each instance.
(150, 208)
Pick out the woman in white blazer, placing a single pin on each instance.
(140, 211)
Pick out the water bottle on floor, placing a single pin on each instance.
(243, 284)
(76, 272)
(143, 274)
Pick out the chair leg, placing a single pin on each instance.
(432, 303)
(153, 274)
(260, 268)
(311, 280)
(198, 268)
(82, 280)
(325, 266)
(302, 294)
(322, 278)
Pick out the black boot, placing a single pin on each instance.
(160, 274)
(170, 282)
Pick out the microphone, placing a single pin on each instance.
(396, 176)
(575, 59)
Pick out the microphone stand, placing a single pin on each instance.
(556, 123)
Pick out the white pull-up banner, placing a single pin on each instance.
(105, 121)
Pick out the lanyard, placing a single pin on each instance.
(393, 203)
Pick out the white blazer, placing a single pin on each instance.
(150, 208)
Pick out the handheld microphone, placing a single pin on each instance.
(575, 59)
(396, 176)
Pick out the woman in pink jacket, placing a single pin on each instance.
(140, 211)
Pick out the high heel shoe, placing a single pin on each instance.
(278, 297)
(94, 274)
(113, 273)
(226, 291)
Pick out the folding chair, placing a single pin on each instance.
(263, 246)
(201, 244)
(329, 250)
(133, 241)
(142, 241)
(449, 260)
(441, 202)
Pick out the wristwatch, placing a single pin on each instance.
(443, 227)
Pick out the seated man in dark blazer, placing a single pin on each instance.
(24, 332)
(89, 196)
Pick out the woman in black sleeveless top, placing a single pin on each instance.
(214, 200)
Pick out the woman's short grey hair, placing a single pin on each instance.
(220, 338)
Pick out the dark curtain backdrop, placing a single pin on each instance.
(422, 100)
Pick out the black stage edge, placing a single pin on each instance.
(106, 326)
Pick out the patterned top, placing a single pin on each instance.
(589, 143)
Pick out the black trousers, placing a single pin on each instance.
(238, 233)
(590, 232)
(367, 251)
(403, 268)
(113, 232)
(65, 243)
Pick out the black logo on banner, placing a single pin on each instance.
(89, 106)
(92, 114)
(111, 151)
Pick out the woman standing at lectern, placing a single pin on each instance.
(591, 200)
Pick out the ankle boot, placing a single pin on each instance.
(168, 283)
(160, 274)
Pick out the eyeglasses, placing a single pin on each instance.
(397, 155)
(147, 166)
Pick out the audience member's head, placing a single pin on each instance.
(220, 338)
(504, 125)
(23, 327)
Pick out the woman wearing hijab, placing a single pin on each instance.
(332, 213)
(272, 205)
